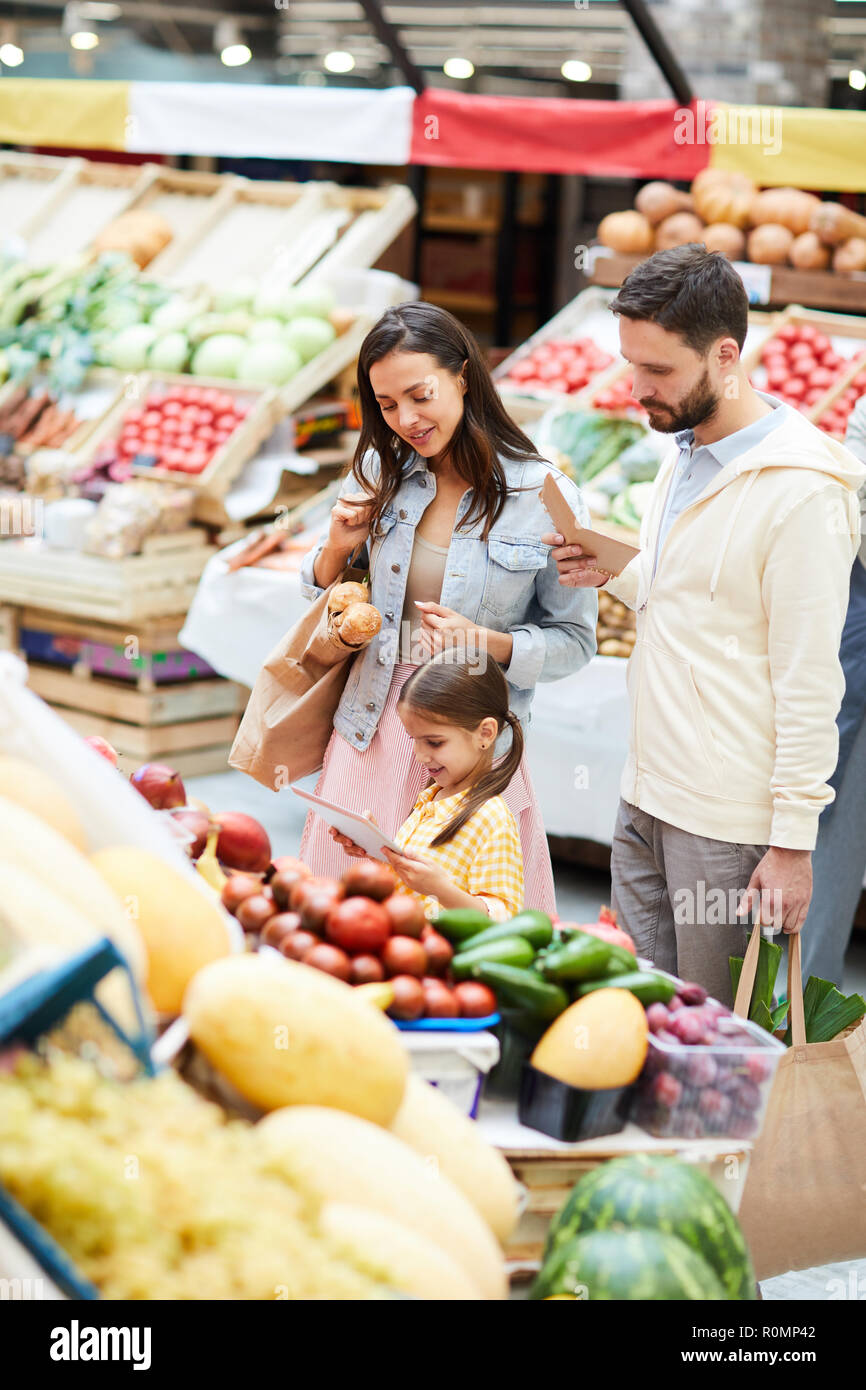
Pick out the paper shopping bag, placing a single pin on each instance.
(804, 1201)
(290, 714)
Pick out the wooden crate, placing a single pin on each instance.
(144, 652)
(819, 289)
(190, 202)
(102, 379)
(228, 462)
(162, 580)
(30, 185)
(846, 326)
(839, 387)
(86, 199)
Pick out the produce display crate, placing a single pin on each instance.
(818, 289)
(190, 201)
(225, 466)
(30, 185)
(820, 409)
(374, 218)
(848, 330)
(161, 581)
(84, 201)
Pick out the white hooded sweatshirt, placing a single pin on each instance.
(735, 682)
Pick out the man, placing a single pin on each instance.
(740, 589)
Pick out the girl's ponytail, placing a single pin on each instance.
(493, 783)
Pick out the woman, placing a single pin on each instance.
(443, 496)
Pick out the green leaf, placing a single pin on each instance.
(761, 1007)
(760, 1014)
(827, 1011)
(778, 1014)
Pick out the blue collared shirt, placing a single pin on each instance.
(697, 468)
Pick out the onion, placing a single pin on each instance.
(725, 237)
(659, 200)
(769, 244)
(629, 233)
(679, 230)
(808, 252)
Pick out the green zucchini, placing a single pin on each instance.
(582, 957)
(508, 950)
(459, 924)
(538, 934)
(647, 987)
(522, 989)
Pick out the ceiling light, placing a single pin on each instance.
(857, 79)
(458, 67)
(339, 61)
(235, 55)
(576, 71)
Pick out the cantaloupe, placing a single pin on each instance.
(338, 1157)
(431, 1125)
(597, 1043)
(285, 1034)
(182, 929)
(27, 785)
(32, 844)
(410, 1262)
(37, 920)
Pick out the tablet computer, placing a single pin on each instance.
(350, 823)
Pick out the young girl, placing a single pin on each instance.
(460, 846)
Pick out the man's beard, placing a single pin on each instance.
(695, 407)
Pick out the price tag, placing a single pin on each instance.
(758, 280)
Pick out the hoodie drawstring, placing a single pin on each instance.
(732, 520)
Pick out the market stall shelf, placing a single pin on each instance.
(83, 200)
(30, 185)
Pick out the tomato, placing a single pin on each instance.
(171, 428)
(521, 370)
(211, 396)
(795, 387)
(229, 421)
(197, 460)
(220, 436)
(807, 333)
(206, 434)
(133, 417)
(171, 409)
(820, 376)
(191, 395)
(151, 419)
(185, 442)
(152, 436)
(154, 401)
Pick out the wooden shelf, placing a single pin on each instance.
(814, 289)
(454, 222)
(465, 301)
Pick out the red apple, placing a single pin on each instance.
(197, 823)
(160, 785)
(103, 748)
(243, 843)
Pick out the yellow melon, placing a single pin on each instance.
(27, 785)
(598, 1043)
(181, 927)
(411, 1263)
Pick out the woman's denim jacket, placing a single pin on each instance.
(508, 582)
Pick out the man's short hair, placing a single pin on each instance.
(687, 290)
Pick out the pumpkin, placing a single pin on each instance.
(628, 232)
(808, 252)
(658, 201)
(769, 244)
(661, 1193)
(725, 237)
(786, 207)
(598, 1043)
(723, 197)
(851, 255)
(679, 230)
(627, 1266)
(835, 224)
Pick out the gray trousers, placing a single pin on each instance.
(677, 894)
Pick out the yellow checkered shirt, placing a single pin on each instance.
(484, 857)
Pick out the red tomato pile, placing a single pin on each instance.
(835, 419)
(181, 428)
(560, 365)
(801, 364)
(618, 397)
(359, 929)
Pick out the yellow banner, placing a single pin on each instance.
(69, 113)
(790, 145)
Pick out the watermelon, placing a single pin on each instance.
(664, 1194)
(634, 1266)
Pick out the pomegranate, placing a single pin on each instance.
(242, 843)
(402, 955)
(236, 888)
(196, 823)
(103, 748)
(406, 915)
(160, 785)
(358, 925)
(605, 928)
(408, 998)
(369, 879)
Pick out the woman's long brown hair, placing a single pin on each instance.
(460, 692)
(484, 435)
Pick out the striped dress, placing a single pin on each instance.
(386, 779)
